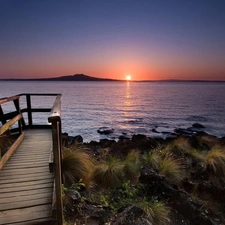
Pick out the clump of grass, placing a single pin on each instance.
(109, 173)
(132, 166)
(215, 161)
(77, 165)
(151, 159)
(156, 211)
(172, 169)
(179, 147)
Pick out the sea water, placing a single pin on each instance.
(127, 107)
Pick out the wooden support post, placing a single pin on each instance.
(29, 112)
(57, 170)
(2, 118)
(21, 122)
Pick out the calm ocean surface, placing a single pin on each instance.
(128, 108)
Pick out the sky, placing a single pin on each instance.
(147, 39)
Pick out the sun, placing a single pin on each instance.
(128, 77)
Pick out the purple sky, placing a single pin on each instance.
(148, 39)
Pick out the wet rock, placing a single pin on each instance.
(197, 125)
(122, 137)
(105, 130)
(182, 131)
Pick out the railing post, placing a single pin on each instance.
(57, 169)
(55, 120)
(29, 112)
(21, 121)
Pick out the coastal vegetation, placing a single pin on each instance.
(173, 181)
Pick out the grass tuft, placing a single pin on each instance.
(77, 165)
(109, 174)
(151, 159)
(172, 169)
(156, 211)
(132, 166)
(215, 161)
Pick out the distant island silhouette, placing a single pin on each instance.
(83, 77)
(76, 77)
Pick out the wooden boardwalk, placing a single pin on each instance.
(26, 185)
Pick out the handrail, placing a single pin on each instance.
(55, 120)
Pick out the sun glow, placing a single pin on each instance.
(128, 77)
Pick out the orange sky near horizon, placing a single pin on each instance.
(150, 40)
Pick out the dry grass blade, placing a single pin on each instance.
(216, 161)
(76, 165)
(172, 169)
(109, 174)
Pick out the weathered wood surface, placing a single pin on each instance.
(26, 185)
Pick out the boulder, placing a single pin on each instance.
(197, 125)
(129, 214)
(105, 130)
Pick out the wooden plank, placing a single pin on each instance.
(22, 204)
(24, 179)
(26, 214)
(11, 150)
(16, 200)
(12, 188)
(25, 192)
(28, 166)
(7, 125)
(22, 171)
(31, 175)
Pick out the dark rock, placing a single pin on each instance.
(73, 195)
(148, 175)
(181, 201)
(143, 221)
(78, 139)
(105, 130)
(104, 143)
(121, 148)
(154, 130)
(128, 215)
(183, 131)
(123, 137)
(138, 137)
(197, 125)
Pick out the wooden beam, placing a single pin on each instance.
(6, 156)
(4, 100)
(7, 125)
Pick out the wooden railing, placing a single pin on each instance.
(10, 118)
(55, 120)
(16, 117)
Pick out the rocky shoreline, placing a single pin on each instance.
(197, 199)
